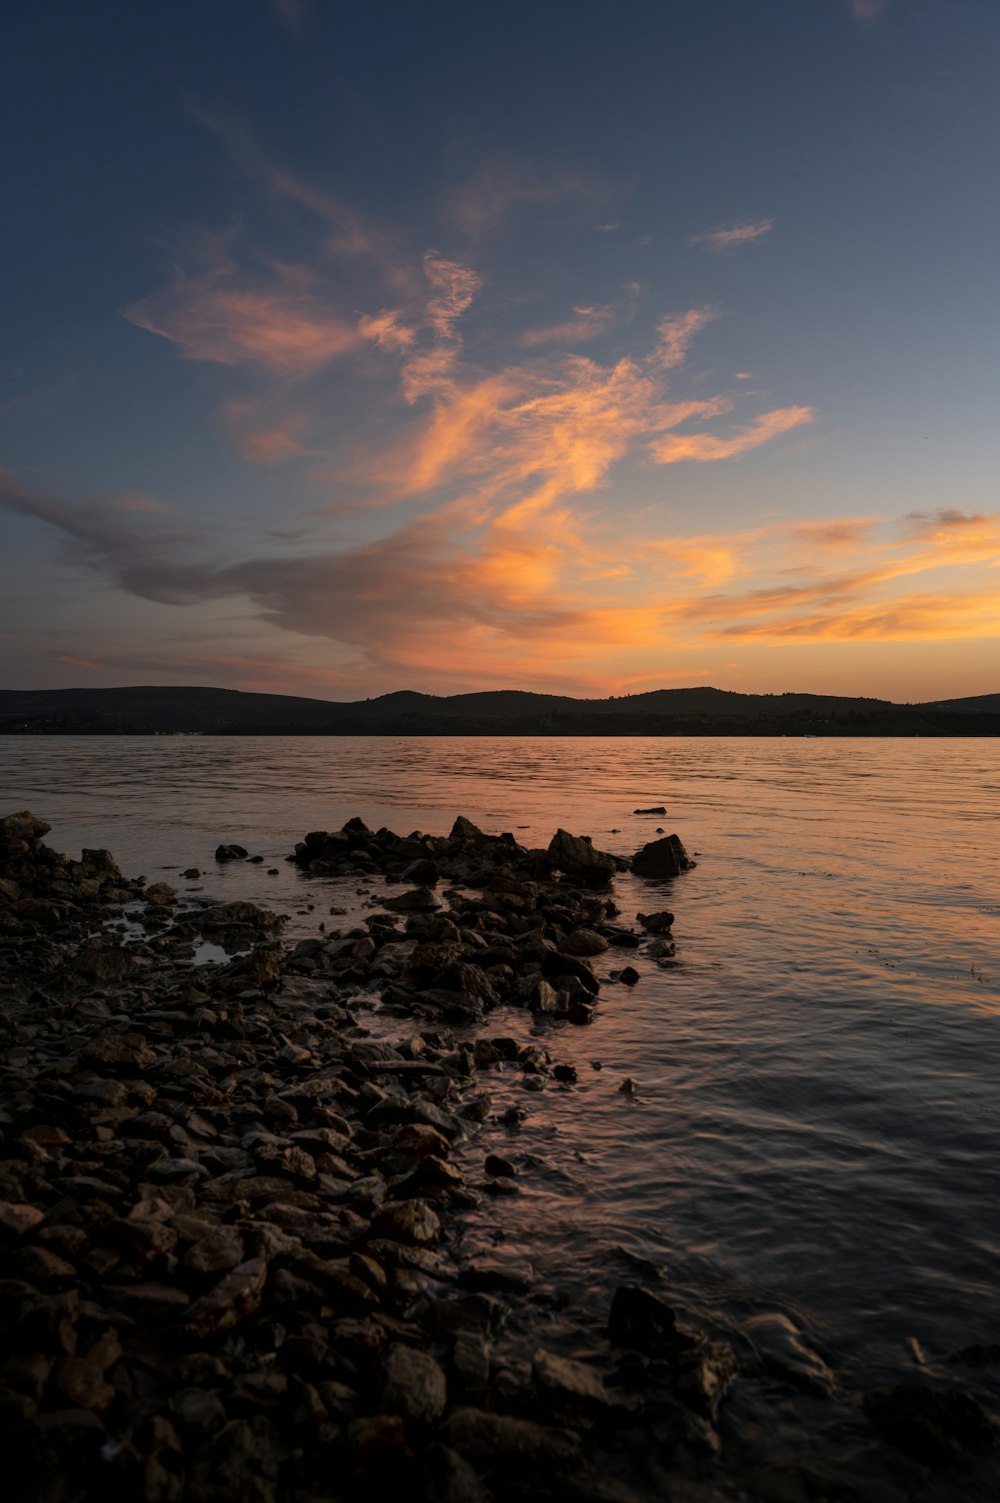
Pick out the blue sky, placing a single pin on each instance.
(586, 348)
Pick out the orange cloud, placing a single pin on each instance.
(677, 333)
(703, 447)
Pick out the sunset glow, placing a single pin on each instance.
(528, 413)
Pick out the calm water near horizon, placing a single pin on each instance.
(817, 1127)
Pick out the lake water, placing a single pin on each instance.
(816, 1131)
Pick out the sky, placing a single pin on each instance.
(572, 347)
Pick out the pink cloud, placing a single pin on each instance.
(730, 236)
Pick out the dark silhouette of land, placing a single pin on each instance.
(505, 712)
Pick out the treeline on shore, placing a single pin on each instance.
(680, 712)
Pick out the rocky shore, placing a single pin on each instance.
(229, 1208)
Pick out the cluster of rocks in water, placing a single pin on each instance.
(228, 1213)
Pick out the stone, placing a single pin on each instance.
(662, 858)
(656, 923)
(219, 1252)
(122, 1051)
(642, 1322)
(491, 1439)
(230, 853)
(17, 1219)
(408, 1221)
(779, 1344)
(704, 1383)
(238, 915)
(415, 1385)
(584, 942)
(571, 1383)
(232, 1300)
(576, 856)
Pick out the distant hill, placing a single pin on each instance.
(155, 710)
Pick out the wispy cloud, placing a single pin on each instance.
(677, 333)
(730, 236)
(704, 447)
(534, 590)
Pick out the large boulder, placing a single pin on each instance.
(576, 857)
(662, 858)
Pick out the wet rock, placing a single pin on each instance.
(238, 915)
(584, 942)
(160, 895)
(662, 858)
(706, 1377)
(218, 1252)
(576, 856)
(642, 1322)
(937, 1426)
(230, 853)
(628, 976)
(780, 1345)
(232, 1300)
(656, 923)
(19, 1219)
(571, 1384)
(496, 1165)
(492, 1439)
(408, 1221)
(119, 1051)
(415, 1385)
(654, 809)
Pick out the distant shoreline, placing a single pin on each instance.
(194, 710)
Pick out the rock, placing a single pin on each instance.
(655, 809)
(465, 831)
(238, 915)
(232, 1300)
(471, 1358)
(415, 1385)
(160, 895)
(191, 874)
(219, 1252)
(643, 1322)
(584, 942)
(19, 1219)
(656, 923)
(576, 856)
(938, 1426)
(494, 1439)
(629, 1086)
(628, 976)
(416, 900)
(779, 1344)
(408, 1221)
(496, 1165)
(573, 1384)
(121, 1051)
(704, 1382)
(230, 853)
(662, 858)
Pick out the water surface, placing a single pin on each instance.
(817, 1126)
